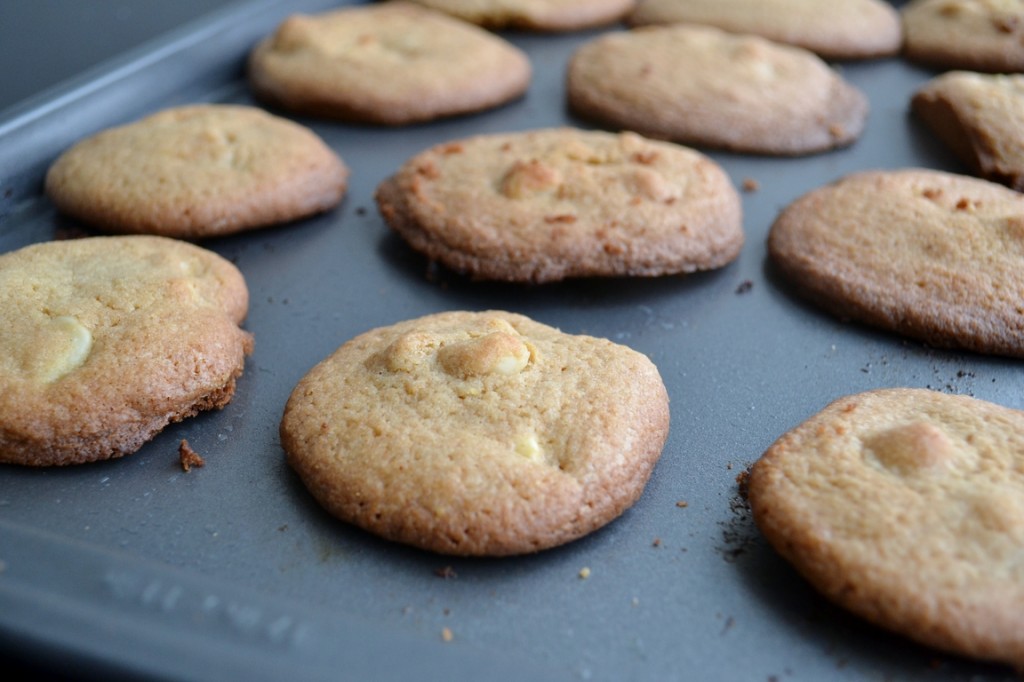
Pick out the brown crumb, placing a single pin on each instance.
(445, 572)
(682, 504)
(744, 286)
(751, 185)
(728, 465)
(656, 543)
(188, 457)
(446, 634)
(837, 130)
(743, 482)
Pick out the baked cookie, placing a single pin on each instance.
(934, 256)
(981, 118)
(906, 506)
(392, 63)
(534, 15)
(545, 205)
(477, 433)
(853, 29)
(107, 340)
(702, 86)
(197, 171)
(976, 35)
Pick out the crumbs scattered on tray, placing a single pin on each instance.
(682, 504)
(446, 572)
(745, 286)
(739, 532)
(188, 457)
(750, 185)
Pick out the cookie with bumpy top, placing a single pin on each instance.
(702, 86)
(392, 63)
(975, 35)
(477, 433)
(906, 506)
(981, 118)
(534, 15)
(854, 29)
(197, 171)
(930, 255)
(107, 340)
(545, 205)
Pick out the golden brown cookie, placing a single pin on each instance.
(545, 205)
(197, 171)
(107, 340)
(981, 118)
(906, 507)
(930, 255)
(392, 63)
(702, 86)
(852, 29)
(534, 15)
(975, 35)
(477, 433)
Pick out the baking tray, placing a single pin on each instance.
(135, 568)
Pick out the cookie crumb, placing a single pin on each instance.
(584, 573)
(445, 572)
(360, 210)
(189, 458)
(446, 634)
(656, 543)
(745, 286)
(751, 185)
(682, 504)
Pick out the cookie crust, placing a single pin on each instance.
(392, 64)
(534, 15)
(981, 118)
(930, 255)
(109, 339)
(741, 93)
(197, 171)
(905, 507)
(477, 433)
(549, 204)
(854, 29)
(975, 35)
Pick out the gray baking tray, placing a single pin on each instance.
(135, 568)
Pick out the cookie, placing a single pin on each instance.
(106, 340)
(906, 506)
(197, 171)
(930, 255)
(392, 64)
(534, 15)
(981, 118)
(544, 205)
(701, 86)
(472, 433)
(854, 29)
(975, 35)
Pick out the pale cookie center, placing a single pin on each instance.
(58, 347)
(498, 353)
(913, 448)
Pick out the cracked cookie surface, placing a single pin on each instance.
(736, 92)
(906, 506)
(549, 204)
(391, 63)
(477, 433)
(855, 29)
(934, 256)
(107, 340)
(197, 171)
